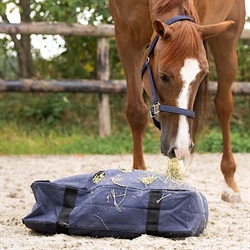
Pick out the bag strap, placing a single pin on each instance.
(154, 209)
(68, 205)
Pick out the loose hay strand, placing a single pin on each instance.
(117, 205)
(115, 179)
(163, 197)
(101, 221)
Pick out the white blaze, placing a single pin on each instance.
(188, 74)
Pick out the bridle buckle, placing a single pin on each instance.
(155, 109)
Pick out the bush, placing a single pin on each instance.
(212, 142)
(68, 124)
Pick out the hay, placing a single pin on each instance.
(163, 197)
(115, 196)
(147, 180)
(175, 169)
(101, 221)
(99, 176)
(115, 180)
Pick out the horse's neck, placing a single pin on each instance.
(213, 11)
(170, 8)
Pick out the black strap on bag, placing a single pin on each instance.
(68, 205)
(154, 209)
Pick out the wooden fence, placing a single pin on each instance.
(101, 30)
(91, 86)
(103, 85)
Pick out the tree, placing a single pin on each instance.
(79, 58)
(22, 45)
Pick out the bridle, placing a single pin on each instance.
(157, 107)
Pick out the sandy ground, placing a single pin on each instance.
(228, 226)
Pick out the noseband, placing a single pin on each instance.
(157, 107)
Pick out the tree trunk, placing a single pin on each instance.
(25, 40)
(23, 45)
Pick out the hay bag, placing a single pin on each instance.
(114, 203)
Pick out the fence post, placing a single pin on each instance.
(103, 74)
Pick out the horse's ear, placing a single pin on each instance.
(162, 29)
(213, 29)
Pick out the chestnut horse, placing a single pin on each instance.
(174, 70)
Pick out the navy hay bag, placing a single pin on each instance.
(114, 203)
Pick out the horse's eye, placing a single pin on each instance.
(165, 78)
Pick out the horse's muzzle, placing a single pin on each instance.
(177, 151)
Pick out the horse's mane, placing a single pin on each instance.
(183, 44)
(186, 7)
(184, 41)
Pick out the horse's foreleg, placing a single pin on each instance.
(133, 30)
(137, 116)
(226, 65)
(136, 109)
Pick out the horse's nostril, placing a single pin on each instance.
(171, 153)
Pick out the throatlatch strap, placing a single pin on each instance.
(153, 212)
(68, 205)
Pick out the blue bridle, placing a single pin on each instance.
(157, 107)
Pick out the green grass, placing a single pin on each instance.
(18, 140)
(68, 124)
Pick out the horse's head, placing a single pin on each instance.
(178, 65)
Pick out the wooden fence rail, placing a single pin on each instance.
(103, 85)
(91, 86)
(101, 30)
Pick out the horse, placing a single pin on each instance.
(161, 44)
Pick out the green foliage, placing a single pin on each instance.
(50, 111)
(68, 124)
(243, 50)
(8, 63)
(77, 62)
(240, 122)
(3, 7)
(43, 139)
(59, 11)
(212, 142)
(68, 11)
(79, 58)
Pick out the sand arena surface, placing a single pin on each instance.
(228, 226)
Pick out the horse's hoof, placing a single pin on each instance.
(231, 197)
